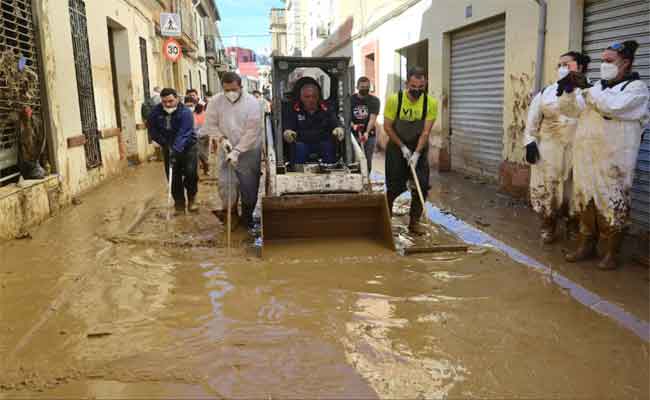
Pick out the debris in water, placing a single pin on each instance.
(435, 249)
(96, 335)
(24, 235)
(480, 223)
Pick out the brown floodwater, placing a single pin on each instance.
(109, 299)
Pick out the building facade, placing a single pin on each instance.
(92, 64)
(480, 59)
(278, 30)
(296, 14)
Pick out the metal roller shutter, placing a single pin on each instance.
(477, 75)
(17, 35)
(616, 21)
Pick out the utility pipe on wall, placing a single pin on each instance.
(541, 45)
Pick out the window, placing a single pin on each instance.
(83, 70)
(17, 34)
(144, 63)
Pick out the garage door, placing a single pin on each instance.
(619, 20)
(17, 35)
(477, 74)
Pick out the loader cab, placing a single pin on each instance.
(289, 75)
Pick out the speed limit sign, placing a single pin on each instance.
(172, 50)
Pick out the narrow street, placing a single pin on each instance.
(109, 299)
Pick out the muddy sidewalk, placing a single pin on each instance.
(110, 299)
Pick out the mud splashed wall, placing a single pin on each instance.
(522, 86)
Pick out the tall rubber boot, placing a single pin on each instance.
(414, 215)
(391, 197)
(548, 229)
(192, 206)
(572, 227)
(612, 238)
(247, 216)
(587, 238)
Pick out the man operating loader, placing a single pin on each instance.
(312, 129)
(234, 118)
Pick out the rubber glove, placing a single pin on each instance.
(227, 146)
(413, 161)
(233, 157)
(532, 153)
(290, 136)
(339, 133)
(406, 153)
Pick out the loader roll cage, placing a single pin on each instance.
(335, 86)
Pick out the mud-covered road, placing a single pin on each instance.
(109, 299)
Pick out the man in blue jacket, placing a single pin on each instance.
(171, 125)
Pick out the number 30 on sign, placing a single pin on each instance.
(172, 50)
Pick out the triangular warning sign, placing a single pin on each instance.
(170, 25)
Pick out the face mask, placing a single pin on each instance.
(364, 92)
(232, 96)
(416, 93)
(562, 72)
(169, 110)
(608, 71)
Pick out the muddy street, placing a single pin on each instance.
(109, 299)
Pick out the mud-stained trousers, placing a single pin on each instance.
(246, 181)
(184, 175)
(398, 173)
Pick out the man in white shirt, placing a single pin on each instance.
(234, 118)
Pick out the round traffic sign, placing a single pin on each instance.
(172, 50)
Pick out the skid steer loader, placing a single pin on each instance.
(314, 200)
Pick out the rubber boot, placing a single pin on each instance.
(572, 227)
(612, 238)
(391, 197)
(179, 209)
(548, 229)
(247, 216)
(587, 238)
(414, 216)
(192, 206)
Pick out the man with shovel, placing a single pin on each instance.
(235, 119)
(171, 125)
(408, 119)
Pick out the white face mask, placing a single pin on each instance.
(562, 72)
(169, 110)
(608, 71)
(233, 96)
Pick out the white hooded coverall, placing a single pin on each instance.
(550, 177)
(241, 123)
(608, 137)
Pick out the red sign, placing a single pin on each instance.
(172, 50)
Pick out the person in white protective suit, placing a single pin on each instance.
(612, 115)
(234, 118)
(549, 148)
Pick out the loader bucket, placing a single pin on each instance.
(327, 216)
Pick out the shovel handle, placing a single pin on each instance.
(417, 183)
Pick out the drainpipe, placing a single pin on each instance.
(541, 44)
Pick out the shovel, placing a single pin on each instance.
(169, 193)
(229, 208)
(417, 184)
